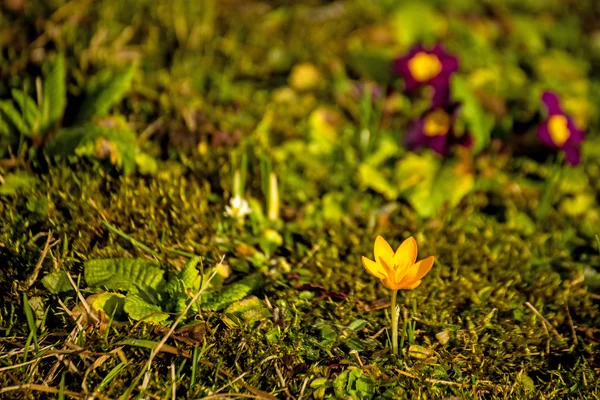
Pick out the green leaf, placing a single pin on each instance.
(54, 94)
(112, 304)
(29, 110)
(232, 293)
(17, 182)
(116, 144)
(99, 102)
(138, 308)
(190, 275)
(477, 122)
(370, 177)
(246, 312)
(57, 282)
(428, 185)
(12, 116)
(124, 274)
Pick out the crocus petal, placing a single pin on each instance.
(411, 286)
(383, 251)
(392, 285)
(406, 255)
(374, 268)
(418, 271)
(552, 103)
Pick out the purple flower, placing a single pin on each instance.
(428, 67)
(559, 131)
(434, 130)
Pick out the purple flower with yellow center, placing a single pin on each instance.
(428, 67)
(434, 130)
(559, 131)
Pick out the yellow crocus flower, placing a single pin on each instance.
(398, 270)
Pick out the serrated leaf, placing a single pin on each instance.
(190, 277)
(232, 293)
(124, 274)
(99, 102)
(116, 144)
(138, 308)
(57, 282)
(12, 116)
(54, 94)
(29, 110)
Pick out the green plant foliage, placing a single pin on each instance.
(12, 117)
(428, 184)
(231, 293)
(247, 312)
(354, 383)
(29, 110)
(18, 182)
(124, 274)
(138, 308)
(54, 94)
(98, 102)
(57, 282)
(477, 122)
(116, 144)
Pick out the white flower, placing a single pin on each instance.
(238, 207)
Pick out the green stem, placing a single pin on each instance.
(394, 324)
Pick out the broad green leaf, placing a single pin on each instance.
(372, 63)
(54, 94)
(138, 308)
(12, 116)
(116, 144)
(232, 293)
(29, 110)
(428, 185)
(112, 304)
(17, 182)
(99, 102)
(57, 282)
(370, 177)
(476, 121)
(418, 22)
(124, 274)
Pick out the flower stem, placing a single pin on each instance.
(394, 324)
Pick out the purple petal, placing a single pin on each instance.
(552, 103)
(544, 135)
(577, 134)
(449, 62)
(415, 137)
(441, 92)
(439, 144)
(572, 155)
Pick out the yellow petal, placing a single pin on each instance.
(417, 271)
(391, 284)
(413, 286)
(373, 268)
(383, 252)
(405, 256)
